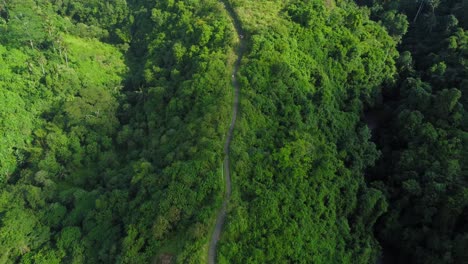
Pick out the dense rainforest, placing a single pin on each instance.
(112, 120)
(422, 133)
(350, 146)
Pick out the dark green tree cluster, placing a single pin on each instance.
(176, 118)
(300, 149)
(423, 133)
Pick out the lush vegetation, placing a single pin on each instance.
(60, 97)
(112, 122)
(300, 148)
(424, 139)
(351, 140)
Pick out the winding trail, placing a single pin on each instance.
(221, 217)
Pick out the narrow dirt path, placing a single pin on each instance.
(220, 219)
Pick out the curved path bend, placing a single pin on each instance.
(221, 217)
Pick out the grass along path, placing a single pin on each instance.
(221, 217)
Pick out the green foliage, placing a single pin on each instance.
(51, 84)
(299, 150)
(113, 116)
(24, 24)
(423, 168)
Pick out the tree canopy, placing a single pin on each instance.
(349, 147)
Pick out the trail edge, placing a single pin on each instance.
(221, 217)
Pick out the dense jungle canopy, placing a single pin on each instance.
(350, 145)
